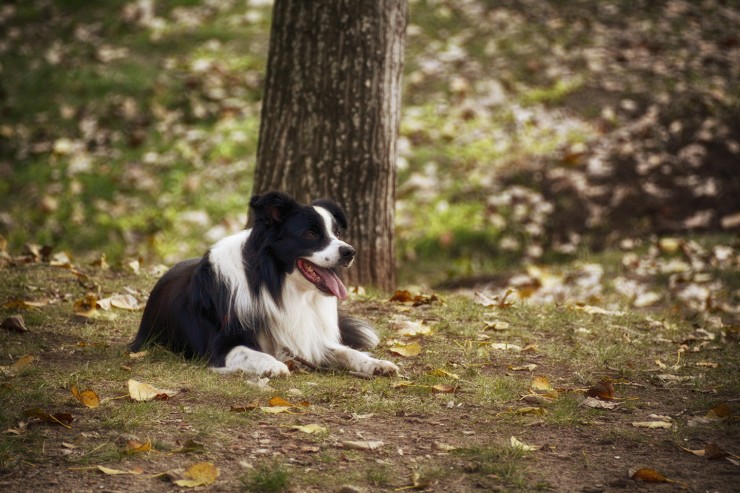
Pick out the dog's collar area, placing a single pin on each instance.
(324, 279)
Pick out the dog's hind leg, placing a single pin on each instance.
(360, 362)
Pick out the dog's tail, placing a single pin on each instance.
(357, 334)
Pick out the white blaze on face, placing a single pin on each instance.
(329, 256)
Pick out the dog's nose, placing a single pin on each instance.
(346, 253)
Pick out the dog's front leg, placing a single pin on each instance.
(241, 358)
(362, 363)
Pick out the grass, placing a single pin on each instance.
(270, 477)
(459, 392)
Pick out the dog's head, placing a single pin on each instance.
(305, 238)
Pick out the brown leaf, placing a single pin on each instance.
(189, 446)
(87, 398)
(649, 475)
(443, 389)
(135, 447)
(23, 362)
(603, 390)
(87, 306)
(62, 419)
(14, 323)
(249, 407)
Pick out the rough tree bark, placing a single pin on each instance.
(330, 117)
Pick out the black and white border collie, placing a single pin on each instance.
(265, 295)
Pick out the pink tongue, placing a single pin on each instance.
(332, 282)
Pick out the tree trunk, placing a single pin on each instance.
(330, 117)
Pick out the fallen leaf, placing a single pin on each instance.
(443, 389)
(249, 407)
(363, 445)
(529, 367)
(540, 384)
(595, 310)
(115, 472)
(495, 325)
(62, 419)
(603, 390)
(537, 399)
(279, 402)
(199, 474)
(87, 398)
(189, 446)
(443, 447)
(522, 446)
(439, 372)
(407, 350)
(595, 403)
(135, 447)
(125, 302)
(137, 356)
(504, 346)
(650, 476)
(86, 306)
(143, 392)
(652, 424)
(411, 328)
(275, 409)
(647, 299)
(14, 323)
(309, 429)
(23, 362)
(711, 451)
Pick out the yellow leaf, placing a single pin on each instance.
(23, 362)
(135, 447)
(408, 350)
(540, 384)
(86, 307)
(279, 402)
(309, 429)
(275, 409)
(496, 325)
(443, 389)
(114, 472)
(439, 372)
(529, 367)
(530, 410)
(199, 474)
(87, 398)
(522, 446)
(142, 392)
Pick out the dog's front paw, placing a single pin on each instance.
(274, 369)
(380, 367)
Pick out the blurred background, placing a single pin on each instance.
(532, 131)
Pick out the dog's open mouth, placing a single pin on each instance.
(324, 279)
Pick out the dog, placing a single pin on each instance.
(265, 295)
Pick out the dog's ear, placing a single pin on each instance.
(272, 207)
(334, 210)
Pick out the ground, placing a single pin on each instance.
(493, 370)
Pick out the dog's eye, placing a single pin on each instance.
(311, 235)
